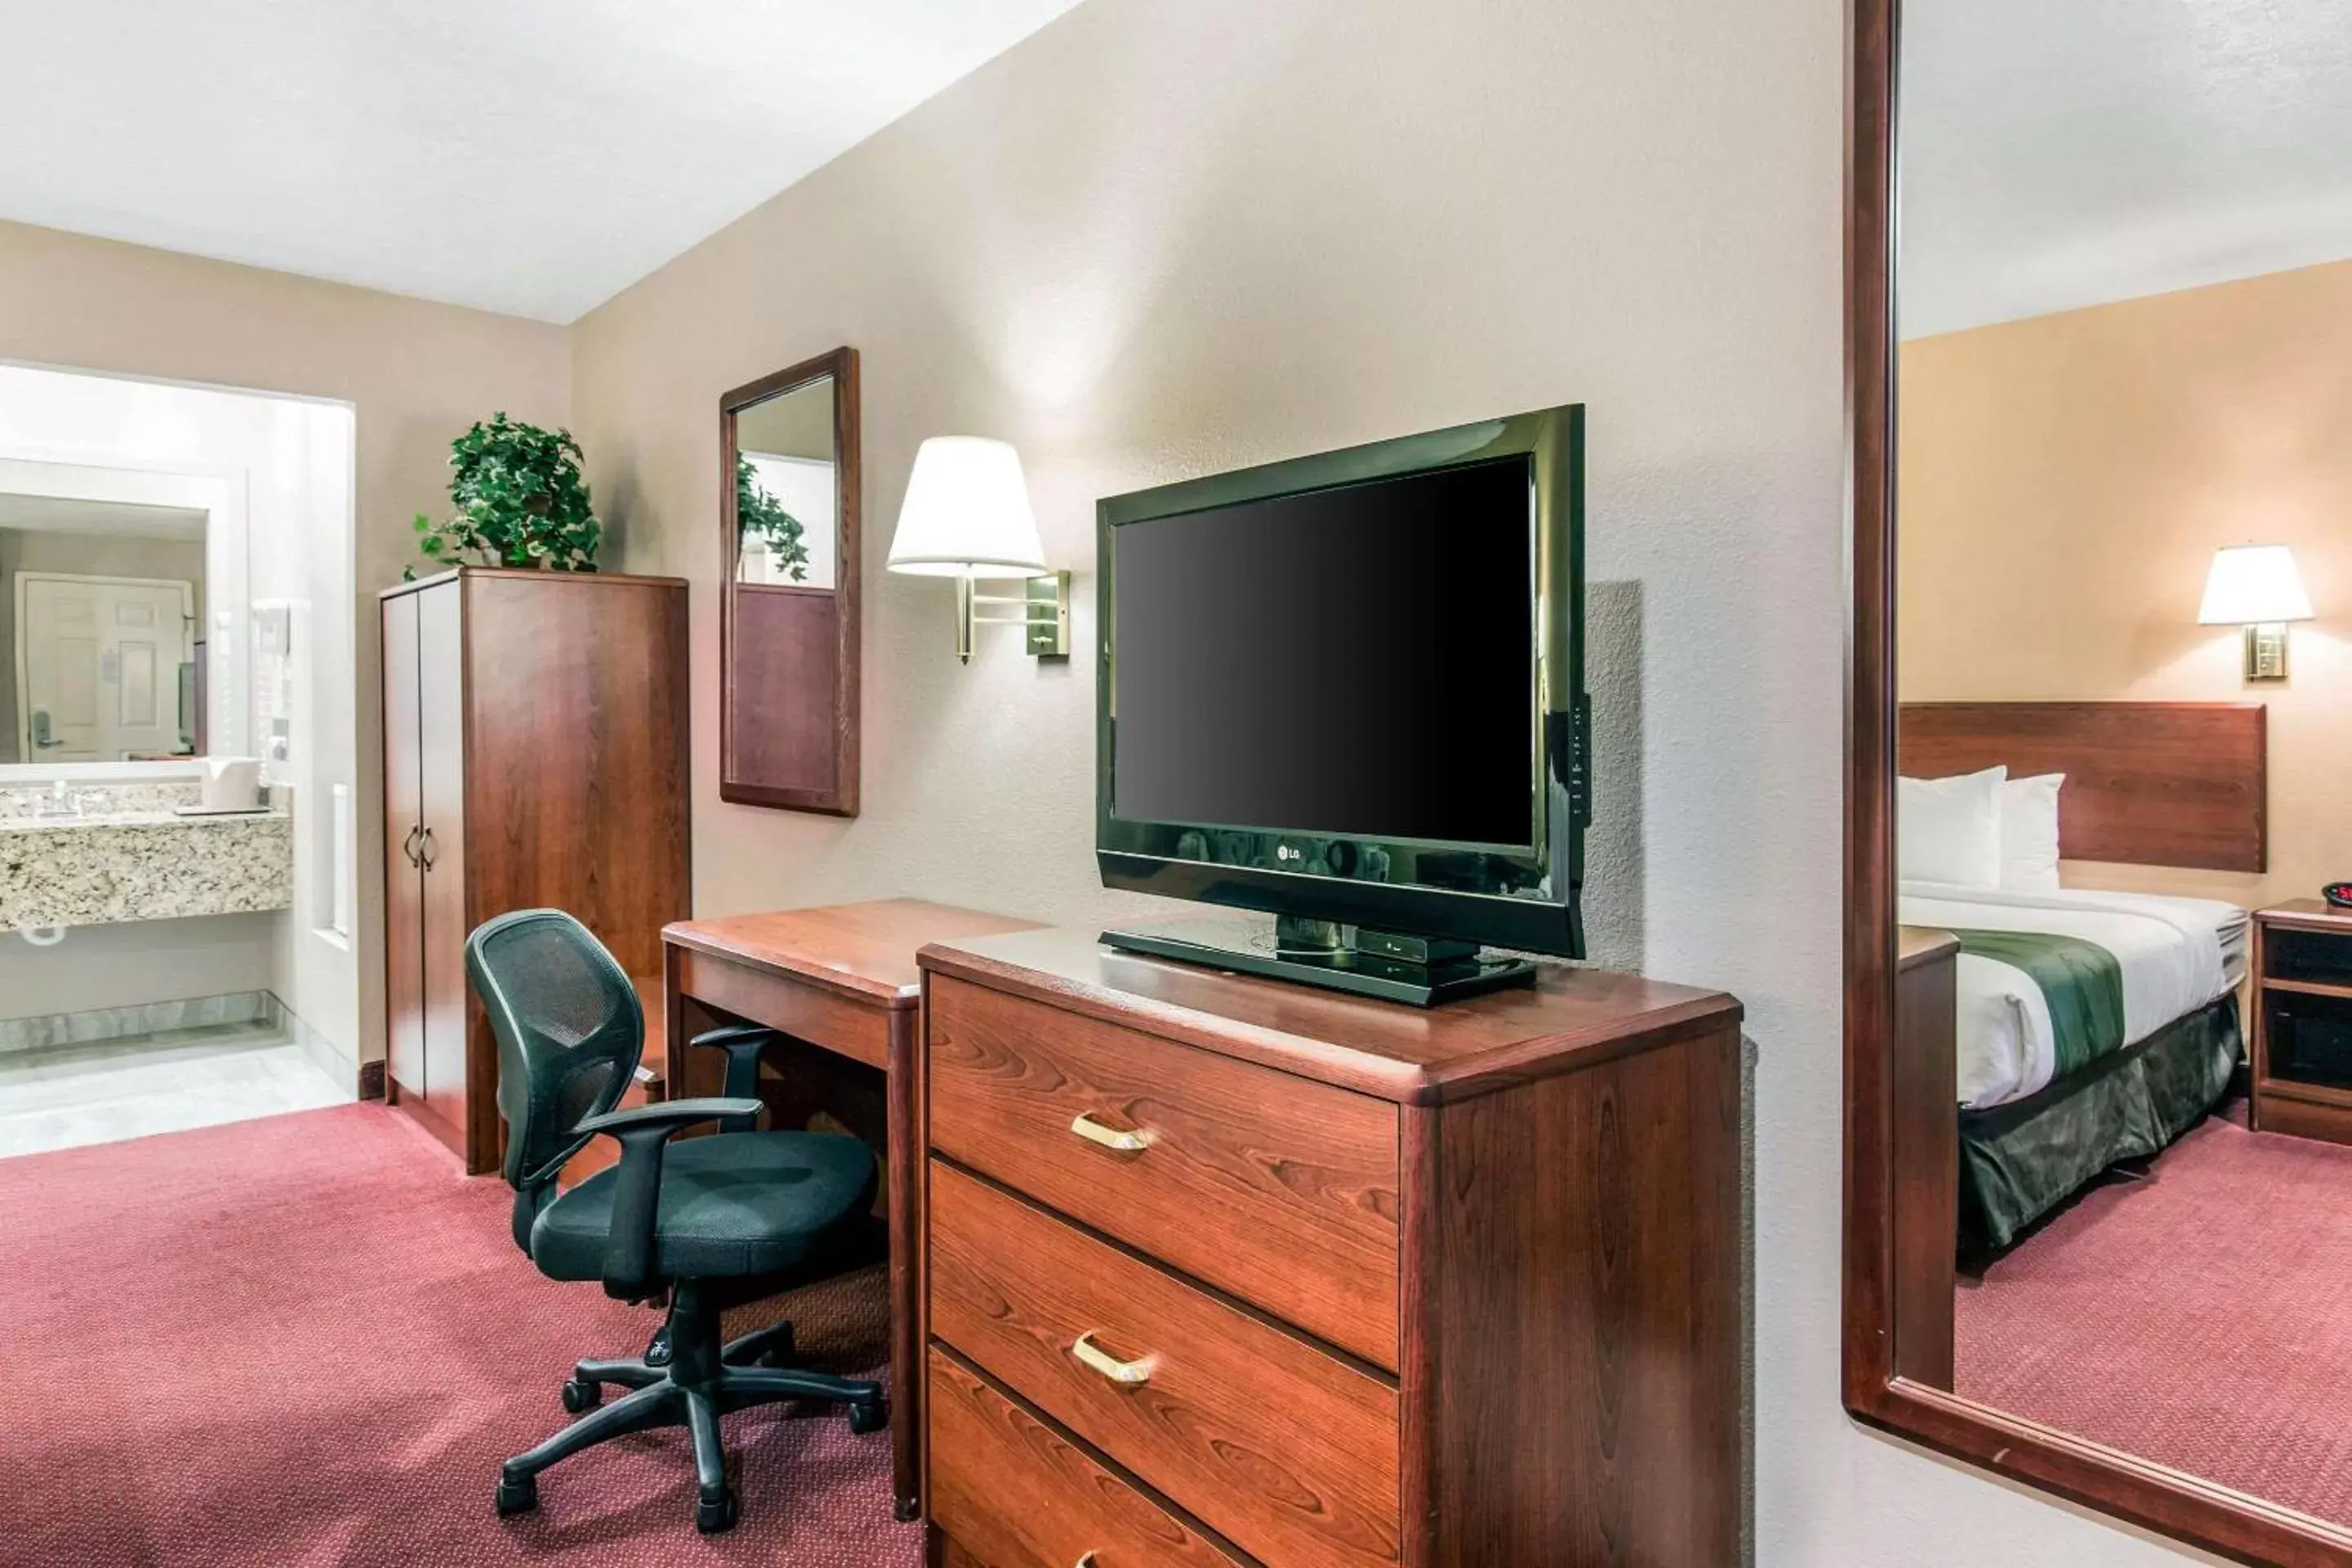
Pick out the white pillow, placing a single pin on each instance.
(2029, 834)
(1948, 830)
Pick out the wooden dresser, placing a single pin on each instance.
(1219, 1270)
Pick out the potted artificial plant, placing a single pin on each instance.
(520, 502)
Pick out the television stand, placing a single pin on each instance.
(1420, 971)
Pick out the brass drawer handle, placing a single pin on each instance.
(1125, 1374)
(1087, 1560)
(1094, 1132)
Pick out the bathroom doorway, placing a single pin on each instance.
(177, 613)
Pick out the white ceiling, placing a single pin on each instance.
(114, 518)
(531, 156)
(2058, 154)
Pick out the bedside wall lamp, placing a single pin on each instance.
(967, 516)
(2257, 586)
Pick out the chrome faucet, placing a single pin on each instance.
(60, 801)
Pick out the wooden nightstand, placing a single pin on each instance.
(2300, 1031)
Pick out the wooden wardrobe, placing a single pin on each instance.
(534, 755)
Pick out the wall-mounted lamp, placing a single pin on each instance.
(967, 516)
(2256, 586)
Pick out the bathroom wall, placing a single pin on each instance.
(126, 965)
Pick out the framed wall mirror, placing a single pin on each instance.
(789, 489)
(2098, 1018)
(123, 619)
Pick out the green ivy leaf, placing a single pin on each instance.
(759, 515)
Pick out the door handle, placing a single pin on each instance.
(424, 849)
(44, 730)
(408, 846)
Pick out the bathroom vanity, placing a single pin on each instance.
(99, 853)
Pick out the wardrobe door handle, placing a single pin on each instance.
(424, 849)
(408, 846)
(1125, 1142)
(1125, 1374)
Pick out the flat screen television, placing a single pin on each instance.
(1347, 690)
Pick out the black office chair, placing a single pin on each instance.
(716, 1221)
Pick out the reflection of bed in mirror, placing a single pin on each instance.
(2090, 1026)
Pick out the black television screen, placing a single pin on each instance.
(1347, 661)
(1347, 689)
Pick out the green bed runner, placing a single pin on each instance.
(2082, 980)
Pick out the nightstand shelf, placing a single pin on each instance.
(2301, 1028)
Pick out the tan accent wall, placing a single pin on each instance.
(2064, 483)
(417, 372)
(1157, 240)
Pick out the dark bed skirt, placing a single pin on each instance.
(2019, 1161)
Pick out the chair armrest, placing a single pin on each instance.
(742, 1043)
(641, 1130)
(669, 1115)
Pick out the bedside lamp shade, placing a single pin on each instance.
(967, 513)
(2256, 586)
(2253, 585)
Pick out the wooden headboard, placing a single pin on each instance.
(2149, 784)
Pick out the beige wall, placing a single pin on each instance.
(417, 374)
(2064, 483)
(1165, 237)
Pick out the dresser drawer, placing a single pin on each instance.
(1014, 1493)
(1286, 1450)
(1279, 1191)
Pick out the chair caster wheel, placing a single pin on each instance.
(581, 1395)
(516, 1496)
(715, 1515)
(869, 1415)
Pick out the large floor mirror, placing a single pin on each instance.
(2099, 1004)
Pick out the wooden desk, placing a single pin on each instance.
(841, 978)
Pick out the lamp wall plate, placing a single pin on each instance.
(2266, 651)
(1043, 614)
(1049, 615)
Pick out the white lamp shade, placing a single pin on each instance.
(967, 513)
(2254, 584)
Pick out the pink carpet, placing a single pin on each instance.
(307, 1340)
(2201, 1318)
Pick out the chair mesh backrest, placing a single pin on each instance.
(569, 1028)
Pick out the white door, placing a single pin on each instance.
(99, 659)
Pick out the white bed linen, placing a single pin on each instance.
(2176, 955)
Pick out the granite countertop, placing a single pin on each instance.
(129, 856)
(23, 824)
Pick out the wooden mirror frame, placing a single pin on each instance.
(838, 797)
(1878, 1390)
